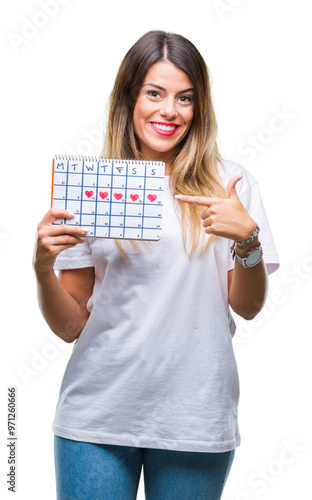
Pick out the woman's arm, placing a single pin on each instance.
(62, 301)
(247, 287)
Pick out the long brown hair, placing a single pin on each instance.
(194, 168)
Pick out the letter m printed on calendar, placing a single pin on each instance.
(120, 199)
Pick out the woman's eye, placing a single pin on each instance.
(153, 93)
(186, 99)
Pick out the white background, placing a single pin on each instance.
(56, 80)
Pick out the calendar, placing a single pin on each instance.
(120, 199)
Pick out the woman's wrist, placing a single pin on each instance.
(43, 273)
(241, 247)
(241, 252)
(252, 234)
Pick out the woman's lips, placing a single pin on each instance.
(164, 128)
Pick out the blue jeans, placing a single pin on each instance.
(88, 471)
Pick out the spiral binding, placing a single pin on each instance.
(131, 161)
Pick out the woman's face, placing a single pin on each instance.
(164, 111)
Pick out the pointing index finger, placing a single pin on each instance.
(195, 200)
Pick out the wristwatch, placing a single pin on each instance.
(252, 257)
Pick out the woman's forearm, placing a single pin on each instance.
(248, 287)
(65, 316)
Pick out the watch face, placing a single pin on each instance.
(254, 257)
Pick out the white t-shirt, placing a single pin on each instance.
(154, 366)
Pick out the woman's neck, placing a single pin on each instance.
(165, 157)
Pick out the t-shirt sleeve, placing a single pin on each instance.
(75, 257)
(252, 201)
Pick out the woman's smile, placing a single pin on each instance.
(165, 129)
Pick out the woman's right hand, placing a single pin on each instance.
(52, 239)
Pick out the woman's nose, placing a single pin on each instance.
(168, 108)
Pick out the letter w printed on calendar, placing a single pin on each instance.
(120, 199)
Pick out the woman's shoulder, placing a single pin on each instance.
(229, 169)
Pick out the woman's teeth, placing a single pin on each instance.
(167, 128)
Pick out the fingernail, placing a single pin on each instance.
(70, 213)
(178, 196)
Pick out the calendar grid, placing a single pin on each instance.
(96, 198)
(125, 211)
(143, 214)
(110, 204)
(110, 198)
(66, 182)
(81, 195)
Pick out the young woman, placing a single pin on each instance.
(152, 378)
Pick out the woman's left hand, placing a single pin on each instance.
(225, 217)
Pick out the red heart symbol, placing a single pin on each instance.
(151, 197)
(118, 196)
(134, 197)
(103, 195)
(89, 193)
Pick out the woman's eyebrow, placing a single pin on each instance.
(162, 88)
